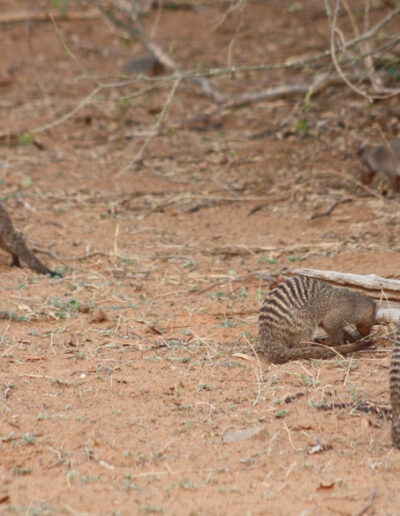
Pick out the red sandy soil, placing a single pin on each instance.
(126, 378)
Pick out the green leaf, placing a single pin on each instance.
(26, 182)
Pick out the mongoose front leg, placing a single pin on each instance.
(367, 175)
(347, 337)
(334, 328)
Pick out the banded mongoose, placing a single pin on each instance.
(12, 242)
(294, 309)
(395, 388)
(384, 159)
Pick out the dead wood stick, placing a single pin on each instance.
(21, 16)
(369, 503)
(320, 82)
(330, 209)
(388, 315)
(68, 258)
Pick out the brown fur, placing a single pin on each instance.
(383, 159)
(292, 312)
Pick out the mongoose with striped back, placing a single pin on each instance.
(294, 309)
(12, 242)
(383, 159)
(395, 388)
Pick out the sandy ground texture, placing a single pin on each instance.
(132, 385)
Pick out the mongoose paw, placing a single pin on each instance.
(351, 336)
(322, 340)
(54, 274)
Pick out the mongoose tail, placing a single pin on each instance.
(395, 388)
(281, 356)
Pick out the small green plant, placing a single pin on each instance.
(293, 258)
(205, 387)
(21, 471)
(306, 379)
(25, 139)
(242, 292)
(228, 323)
(128, 485)
(149, 509)
(26, 182)
(87, 479)
(63, 307)
(28, 438)
(270, 259)
(187, 484)
(61, 5)
(158, 457)
(302, 127)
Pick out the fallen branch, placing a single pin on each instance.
(330, 208)
(369, 503)
(319, 83)
(69, 258)
(388, 315)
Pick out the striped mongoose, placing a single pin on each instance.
(294, 309)
(12, 242)
(384, 159)
(395, 388)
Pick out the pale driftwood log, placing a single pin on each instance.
(388, 315)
